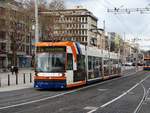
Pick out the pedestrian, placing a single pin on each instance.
(9, 67)
(12, 69)
(16, 70)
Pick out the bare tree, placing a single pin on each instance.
(57, 5)
(7, 1)
(48, 21)
(17, 31)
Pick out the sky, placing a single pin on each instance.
(133, 25)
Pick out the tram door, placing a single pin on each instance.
(80, 73)
(69, 68)
(96, 67)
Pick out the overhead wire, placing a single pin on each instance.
(126, 25)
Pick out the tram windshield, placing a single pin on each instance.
(50, 61)
(147, 62)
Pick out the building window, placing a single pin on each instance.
(28, 39)
(82, 26)
(79, 32)
(86, 19)
(82, 19)
(82, 32)
(2, 23)
(3, 46)
(2, 35)
(2, 11)
(85, 32)
(82, 39)
(67, 18)
(27, 50)
(85, 38)
(77, 26)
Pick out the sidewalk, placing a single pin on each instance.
(21, 71)
(16, 87)
(25, 76)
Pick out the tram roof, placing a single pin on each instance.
(66, 43)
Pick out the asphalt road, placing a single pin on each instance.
(127, 94)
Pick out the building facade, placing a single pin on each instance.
(77, 24)
(15, 36)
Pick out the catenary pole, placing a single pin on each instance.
(36, 24)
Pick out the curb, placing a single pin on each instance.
(16, 87)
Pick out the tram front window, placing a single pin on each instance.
(50, 62)
(147, 63)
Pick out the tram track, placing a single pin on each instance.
(125, 93)
(145, 96)
(42, 97)
(142, 100)
(61, 95)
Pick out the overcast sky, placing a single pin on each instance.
(135, 25)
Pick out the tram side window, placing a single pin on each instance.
(81, 62)
(69, 62)
(93, 62)
(105, 62)
(89, 62)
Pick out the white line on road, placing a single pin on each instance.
(115, 99)
(102, 89)
(91, 108)
(145, 97)
(139, 106)
(147, 94)
(34, 101)
(61, 94)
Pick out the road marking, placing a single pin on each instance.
(93, 109)
(140, 104)
(102, 89)
(61, 94)
(34, 101)
(147, 99)
(115, 99)
(147, 95)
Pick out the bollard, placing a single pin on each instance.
(30, 78)
(8, 80)
(16, 79)
(24, 79)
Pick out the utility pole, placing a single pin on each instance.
(124, 56)
(36, 24)
(109, 44)
(136, 64)
(102, 50)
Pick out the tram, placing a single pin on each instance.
(70, 64)
(146, 63)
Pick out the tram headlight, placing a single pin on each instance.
(51, 74)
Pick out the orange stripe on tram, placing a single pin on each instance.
(76, 84)
(49, 78)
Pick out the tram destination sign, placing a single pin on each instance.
(51, 49)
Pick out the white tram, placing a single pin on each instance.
(69, 64)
